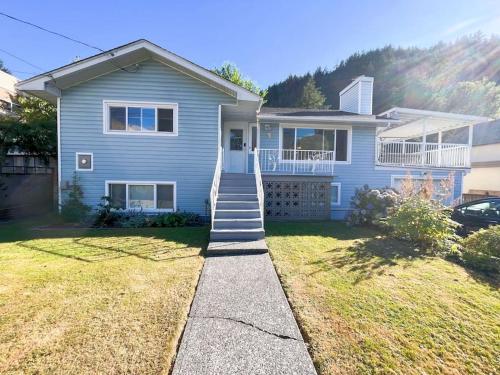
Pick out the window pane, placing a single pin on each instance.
(141, 196)
(148, 119)
(117, 192)
(236, 139)
(329, 140)
(288, 143)
(335, 194)
(254, 137)
(309, 139)
(165, 196)
(165, 120)
(134, 118)
(341, 145)
(117, 118)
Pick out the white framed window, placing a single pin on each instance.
(297, 137)
(140, 118)
(335, 194)
(253, 135)
(84, 161)
(148, 196)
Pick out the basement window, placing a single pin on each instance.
(143, 196)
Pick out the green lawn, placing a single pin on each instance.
(368, 304)
(95, 301)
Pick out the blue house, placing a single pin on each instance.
(159, 133)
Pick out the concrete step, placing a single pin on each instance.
(237, 223)
(236, 234)
(237, 205)
(228, 189)
(237, 214)
(216, 248)
(236, 197)
(237, 182)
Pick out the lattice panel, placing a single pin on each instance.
(296, 200)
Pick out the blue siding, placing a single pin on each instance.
(188, 159)
(362, 169)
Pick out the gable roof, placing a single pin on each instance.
(49, 85)
(487, 133)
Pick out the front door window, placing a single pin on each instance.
(236, 139)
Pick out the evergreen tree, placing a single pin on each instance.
(311, 96)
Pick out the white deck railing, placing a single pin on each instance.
(298, 162)
(258, 183)
(215, 184)
(419, 154)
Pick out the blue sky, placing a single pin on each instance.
(268, 40)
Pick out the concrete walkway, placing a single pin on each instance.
(240, 322)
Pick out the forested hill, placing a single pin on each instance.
(462, 77)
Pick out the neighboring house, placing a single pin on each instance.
(8, 93)
(484, 177)
(159, 133)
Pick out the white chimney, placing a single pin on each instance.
(358, 96)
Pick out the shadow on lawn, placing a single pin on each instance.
(369, 257)
(97, 245)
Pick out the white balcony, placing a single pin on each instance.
(296, 162)
(421, 154)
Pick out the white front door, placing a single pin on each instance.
(235, 147)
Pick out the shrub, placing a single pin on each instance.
(481, 250)
(73, 209)
(371, 205)
(425, 223)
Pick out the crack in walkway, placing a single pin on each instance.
(284, 337)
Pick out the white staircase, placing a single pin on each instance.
(237, 215)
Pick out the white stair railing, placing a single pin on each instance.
(258, 183)
(214, 192)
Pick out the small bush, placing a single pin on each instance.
(73, 210)
(108, 216)
(425, 223)
(371, 205)
(481, 250)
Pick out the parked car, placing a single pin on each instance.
(477, 214)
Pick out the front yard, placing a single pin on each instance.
(95, 301)
(372, 305)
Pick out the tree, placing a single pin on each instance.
(231, 72)
(3, 68)
(478, 97)
(33, 131)
(311, 96)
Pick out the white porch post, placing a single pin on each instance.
(469, 150)
(440, 138)
(424, 140)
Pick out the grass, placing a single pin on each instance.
(371, 305)
(95, 301)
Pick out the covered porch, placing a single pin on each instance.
(426, 139)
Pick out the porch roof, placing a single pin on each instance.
(320, 115)
(413, 121)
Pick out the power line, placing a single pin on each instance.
(62, 36)
(21, 59)
(50, 31)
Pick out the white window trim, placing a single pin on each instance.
(339, 194)
(112, 103)
(91, 162)
(250, 138)
(154, 183)
(322, 127)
